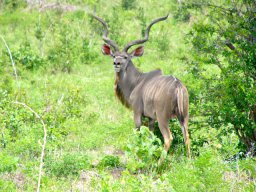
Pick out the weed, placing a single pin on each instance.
(109, 161)
(143, 150)
(8, 163)
(66, 164)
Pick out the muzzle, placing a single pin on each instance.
(117, 67)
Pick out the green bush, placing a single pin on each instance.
(204, 173)
(182, 14)
(27, 57)
(109, 161)
(8, 163)
(67, 164)
(143, 150)
(128, 4)
(7, 185)
(223, 57)
(12, 4)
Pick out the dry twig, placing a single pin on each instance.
(13, 63)
(44, 143)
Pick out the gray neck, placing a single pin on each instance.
(128, 80)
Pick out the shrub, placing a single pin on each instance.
(67, 164)
(128, 4)
(27, 57)
(204, 173)
(8, 163)
(7, 185)
(13, 4)
(143, 150)
(226, 49)
(109, 161)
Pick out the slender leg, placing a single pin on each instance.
(164, 128)
(184, 128)
(151, 124)
(167, 135)
(137, 120)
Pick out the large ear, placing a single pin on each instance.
(106, 50)
(138, 52)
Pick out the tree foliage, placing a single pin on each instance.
(224, 58)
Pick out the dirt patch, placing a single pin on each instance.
(117, 172)
(86, 177)
(44, 6)
(58, 6)
(109, 150)
(18, 179)
(232, 176)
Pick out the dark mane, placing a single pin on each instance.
(119, 94)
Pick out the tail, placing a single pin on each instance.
(182, 114)
(180, 103)
(182, 106)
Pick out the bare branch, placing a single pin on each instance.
(13, 63)
(230, 45)
(44, 143)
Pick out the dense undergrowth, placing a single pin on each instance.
(91, 144)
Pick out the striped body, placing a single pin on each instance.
(155, 96)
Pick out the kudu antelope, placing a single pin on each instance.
(151, 95)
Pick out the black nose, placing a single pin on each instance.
(118, 63)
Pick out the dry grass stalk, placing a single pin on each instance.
(13, 63)
(44, 143)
